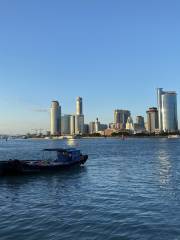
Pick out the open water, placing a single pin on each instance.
(127, 190)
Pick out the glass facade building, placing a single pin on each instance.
(66, 124)
(152, 119)
(167, 110)
(140, 121)
(121, 117)
(55, 118)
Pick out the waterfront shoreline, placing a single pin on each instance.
(119, 137)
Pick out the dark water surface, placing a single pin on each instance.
(127, 190)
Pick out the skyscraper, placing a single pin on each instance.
(167, 110)
(65, 124)
(72, 124)
(79, 124)
(152, 120)
(92, 128)
(120, 117)
(79, 118)
(140, 121)
(129, 124)
(55, 112)
(79, 106)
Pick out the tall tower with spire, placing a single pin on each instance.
(79, 117)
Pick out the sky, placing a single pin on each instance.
(113, 53)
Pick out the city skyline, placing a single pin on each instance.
(47, 112)
(114, 55)
(159, 119)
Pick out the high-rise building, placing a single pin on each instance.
(129, 124)
(152, 120)
(72, 124)
(55, 112)
(120, 117)
(65, 124)
(79, 106)
(139, 126)
(140, 121)
(97, 125)
(167, 110)
(79, 124)
(92, 128)
(86, 128)
(79, 117)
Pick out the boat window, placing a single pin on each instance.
(50, 155)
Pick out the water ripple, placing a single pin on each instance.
(127, 190)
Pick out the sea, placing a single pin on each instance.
(126, 190)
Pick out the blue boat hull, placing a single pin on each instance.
(19, 167)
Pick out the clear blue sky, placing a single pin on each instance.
(113, 53)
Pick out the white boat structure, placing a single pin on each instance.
(174, 136)
(69, 137)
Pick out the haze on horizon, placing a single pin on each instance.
(112, 53)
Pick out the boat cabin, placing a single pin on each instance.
(61, 154)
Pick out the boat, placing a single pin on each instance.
(63, 159)
(173, 136)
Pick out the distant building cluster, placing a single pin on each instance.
(162, 118)
(69, 124)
